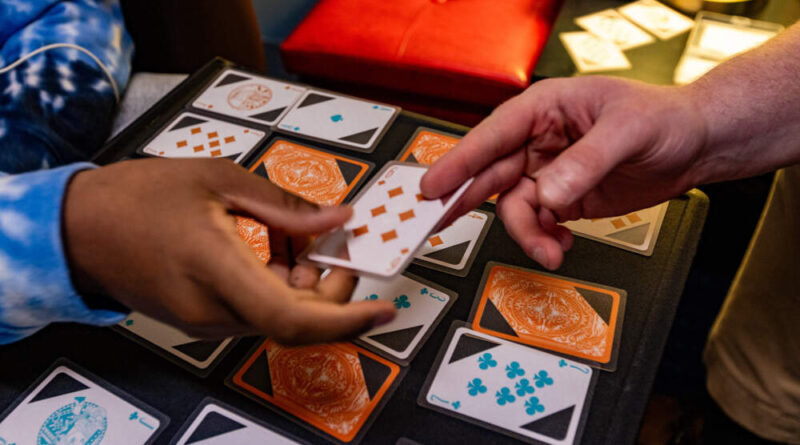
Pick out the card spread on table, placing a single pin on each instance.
(319, 176)
(214, 423)
(256, 235)
(197, 353)
(453, 250)
(574, 318)
(193, 136)
(336, 389)
(509, 388)
(341, 120)
(612, 26)
(591, 53)
(657, 18)
(391, 220)
(427, 145)
(250, 97)
(420, 307)
(637, 231)
(67, 405)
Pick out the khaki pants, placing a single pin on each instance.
(753, 352)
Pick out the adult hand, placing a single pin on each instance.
(566, 149)
(159, 236)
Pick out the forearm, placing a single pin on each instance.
(750, 105)
(35, 284)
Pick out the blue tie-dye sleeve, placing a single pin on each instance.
(56, 107)
(35, 284)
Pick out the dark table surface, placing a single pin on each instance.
(654, 285)
(654, 63)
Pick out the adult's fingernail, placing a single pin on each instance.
(540, 256)
(382, 319)
(552, 192)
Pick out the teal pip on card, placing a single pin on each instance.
(420, 307)
(340, 120)
(68, 406)
(513, 389)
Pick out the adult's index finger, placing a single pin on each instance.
(504, 131)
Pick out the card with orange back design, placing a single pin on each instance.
(319, 176)
(335, 389)
(427, 145)
(573, 318)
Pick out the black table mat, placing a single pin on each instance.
(654, 285)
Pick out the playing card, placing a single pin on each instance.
(574, 318)
(636, 231)
(194, 136)
(391, 220)
(250, 97)
(256, 235)
(515, 390)
(334, 389)
(318, 176)
(68, 405)
(453, 250)
(196, 355)
(340, 120)
(215, 423)
(420, 305)
(427, 145)
(657, 18)
(591, 53)
(612, 26)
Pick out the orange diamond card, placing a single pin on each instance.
(577, 319)
(336, 389)
(389, 224)
(427, 145)
(191, 135)
(636, 232)
(318, 176)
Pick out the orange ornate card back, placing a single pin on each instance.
(335, 388)
(573, 318)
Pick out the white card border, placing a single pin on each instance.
(238, 161)
(181, 433)
(189, 106)
(453, 296)
(74, 367)
(357, 149)
(434, 368)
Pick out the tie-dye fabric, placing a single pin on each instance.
(55, 109)
(57, 106)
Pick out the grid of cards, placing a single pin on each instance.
(523, 364)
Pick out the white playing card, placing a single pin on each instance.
(420, 306)
(215, 424)
(636, 231)
(70, 406)
(453, 250)
(198, 354)
(194, 136)
(591, 53)
(516, 390)
(657, 18)
(250, 97)
(341, 120)
(391, 220)
(612, 26)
